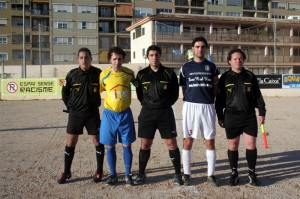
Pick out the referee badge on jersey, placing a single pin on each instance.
(207, 67)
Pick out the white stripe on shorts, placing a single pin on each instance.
(199, 118)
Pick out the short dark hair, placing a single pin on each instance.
(200, 38)
(116, 50)
(86, 50)
(236, 50)
(153, 47)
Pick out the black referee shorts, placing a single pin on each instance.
(152, 119)
(90, 120)
(238, 122)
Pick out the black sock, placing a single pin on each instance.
(143, 160)
(233, 157)
(100, 158)
(175, 158)
(251, 156)
(69, 155)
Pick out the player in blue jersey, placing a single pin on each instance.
(199, 78)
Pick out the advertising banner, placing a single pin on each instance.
(291, 81)
(269, 81)
(31, 87)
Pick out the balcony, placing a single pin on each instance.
(123, 1)
(106, 14)
(43, 28)
(263, 8)
(181, 3)
(40, 11)
(124, 43)
(197, 3)
(249, 7)
(43, 45)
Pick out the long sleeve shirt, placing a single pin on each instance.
(158, 89)
(239, 92)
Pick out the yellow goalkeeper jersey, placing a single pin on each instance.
(117, 87)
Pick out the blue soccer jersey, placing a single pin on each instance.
(196, 78)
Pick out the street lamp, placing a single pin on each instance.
(40, 53)
(145, 57)
(24, 49)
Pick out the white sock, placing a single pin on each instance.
(211, 161)
(186, 161)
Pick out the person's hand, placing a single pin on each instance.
(261, 120)
(221, 123)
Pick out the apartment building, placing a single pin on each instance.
(271, 45)
(54, 30)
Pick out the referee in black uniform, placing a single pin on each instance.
(236, 101)
(81, 96)
(157, 90)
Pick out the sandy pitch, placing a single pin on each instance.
(33, 140)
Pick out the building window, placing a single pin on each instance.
(168, 26)
(294, 6)
(106, 42)
(106, 12)
(138, 32)
(278, 17)
(3, 56)
(215, 2)
(83, 25)
(104, 27)
(133, 35)
(2, 5)
(84, 41)
(18, 55)
(278, 5)
(63, 40)
(200, 29)
(86, 9)
(62, 8)
(63, 57)
(18, 38)
(234, 2)
(122, 26)
(63, 25)
(144, 53)
(214, 13)
(165, 10)
(142, 12)
(133, 55)
(143, 31)
(86, 25)
(233, 14)
(3, 40)
(3, 22)
(18, 21)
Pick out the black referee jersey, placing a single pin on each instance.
(239, 92)
(158, 89)
(81, 89)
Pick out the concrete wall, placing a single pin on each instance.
(60, 71)
(51, 71)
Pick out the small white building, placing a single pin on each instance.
(271, 45)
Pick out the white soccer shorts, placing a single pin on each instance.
(199, 118)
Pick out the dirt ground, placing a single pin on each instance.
(32, 150)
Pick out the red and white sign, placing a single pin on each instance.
(12, 87)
